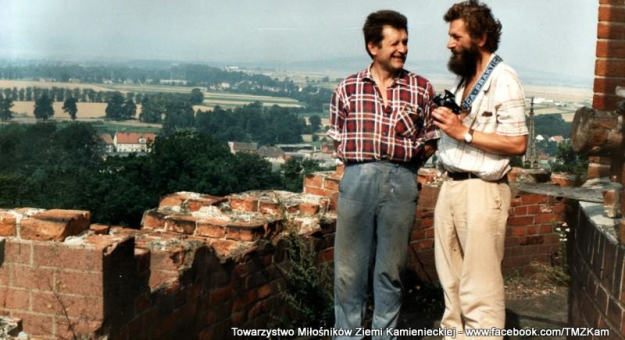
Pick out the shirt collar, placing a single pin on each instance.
(401, 79)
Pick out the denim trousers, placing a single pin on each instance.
(376, 212)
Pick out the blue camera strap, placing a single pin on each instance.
(466, 104)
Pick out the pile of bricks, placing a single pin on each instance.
(198, 266)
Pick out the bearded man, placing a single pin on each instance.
(474, 151)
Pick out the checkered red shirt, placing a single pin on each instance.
(368, 131)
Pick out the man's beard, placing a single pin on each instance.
(464, 64)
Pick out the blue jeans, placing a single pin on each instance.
(376, 212)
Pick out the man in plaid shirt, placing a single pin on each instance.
(382, 130)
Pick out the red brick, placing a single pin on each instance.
(610, 48)
(220, 295)
(54, 225)
(269, 207)
(546, 229)
(313, 180)
(613, 14)
(520, 211)
(16, 251)
(14, 298)
(245, 299)
(418, 235)
(68, 329)
(36, 325)
(612, 2)
(308, 209)
(99, 229)
(161, 277)
(79, 283)
(534, 198)
(7, 224)
(519, 231)
(425, 244)
(243, 203)
(607, 31)
(318, 191)
(531, 230)
(531, 240)
(545, 218)
(246, 231)
(533, 209)
(68, 257)
(169, 259)
(326, 255)
(190, 201)
(332, 183)
(153, 219)
(340, 169)
(180, 224)
(32, 278)
(521, 221)
(75, 306)
(607, 85)
(429, 233)
(225, 248)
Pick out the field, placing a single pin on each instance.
(211, 98)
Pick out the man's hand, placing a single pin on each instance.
(449, 123)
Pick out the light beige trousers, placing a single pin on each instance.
(470, 228)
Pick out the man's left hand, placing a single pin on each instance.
(449, 123)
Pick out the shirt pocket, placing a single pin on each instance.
(487, 121)
(408, 120)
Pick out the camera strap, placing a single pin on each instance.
(466, 104)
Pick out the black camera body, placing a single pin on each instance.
(447, 100)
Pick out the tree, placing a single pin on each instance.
(178, 115)
(129, 110)
(151, 110)
(315, 123)
(5, 109)
(43, 107)
(69, 107)
(197, 97)
(115, 107)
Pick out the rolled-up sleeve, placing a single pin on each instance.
(337, 114)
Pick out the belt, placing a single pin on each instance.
(461, 176)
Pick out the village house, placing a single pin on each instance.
(133, 142)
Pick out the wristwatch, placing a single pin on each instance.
(468, 137)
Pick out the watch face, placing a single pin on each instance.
(468, 138)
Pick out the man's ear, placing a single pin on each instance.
(482, 40)
(373, 48)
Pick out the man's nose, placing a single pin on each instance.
(451, 44)
(403, 48)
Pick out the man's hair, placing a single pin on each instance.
(375, 24)
(478, 20)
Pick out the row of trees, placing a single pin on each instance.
(194, 75)
(85, 95)
(49, 166)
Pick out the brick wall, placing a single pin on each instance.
(598, 278)
(531, 234)
(610, 63)
(597, 297)
(198, 266)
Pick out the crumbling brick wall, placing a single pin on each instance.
(198, 266)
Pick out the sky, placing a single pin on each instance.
(552, 36)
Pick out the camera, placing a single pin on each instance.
(447, 100)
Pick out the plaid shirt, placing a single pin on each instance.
(369, 131)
